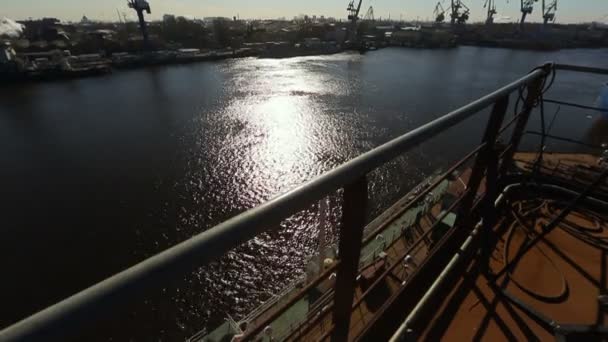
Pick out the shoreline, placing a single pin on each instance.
(124, 62)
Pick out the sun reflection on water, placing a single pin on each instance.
(285, 122)
(283, 128)
(276, 133)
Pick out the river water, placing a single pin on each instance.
(98, 174)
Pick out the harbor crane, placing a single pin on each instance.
(141, 6)
(369, 16)
(353, 16)
(491, 6)
(460, 12)
(439, 13)
(527, 6)
(549, 11)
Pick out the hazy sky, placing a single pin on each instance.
(569, 10)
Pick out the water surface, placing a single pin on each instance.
(98, 174)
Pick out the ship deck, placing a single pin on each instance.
(553, 290)
(379, 282)
(557, 288)
(402, 230)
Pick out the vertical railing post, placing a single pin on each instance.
(534, 92)
(489, 211)
(484, 158)
(349, 247)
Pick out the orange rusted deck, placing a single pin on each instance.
(557, 283)
(555, 286)
(557, 290)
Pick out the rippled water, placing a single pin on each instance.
(98, 174)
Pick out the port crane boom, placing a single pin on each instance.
(439, 13)
(353, 16)
(369, 16)
(141, 6)
(527, 6)
(549, 11)
(491, 6)
(460, 12)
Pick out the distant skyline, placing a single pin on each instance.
(569, 11)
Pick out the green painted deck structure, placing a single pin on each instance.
(297, 314)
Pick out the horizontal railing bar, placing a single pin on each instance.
(505, 151)
(62, 318)
(510, 123)
(579, 68)
(576, 105)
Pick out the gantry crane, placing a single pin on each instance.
(527, 6)
(369, 16)
(140, 6)
(439, 13)
(491, 6)
(549, 11)
(460, 12)
(353, 16)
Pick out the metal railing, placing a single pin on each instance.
(429, 301)
(65, 318)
